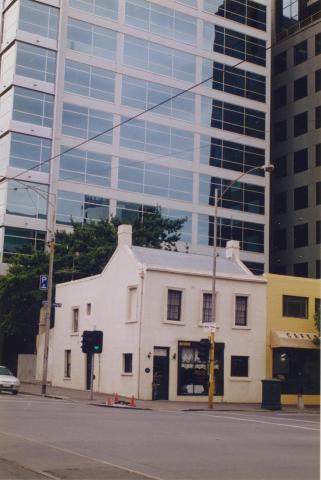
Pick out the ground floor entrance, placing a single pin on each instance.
(160, 373)
(299, 370)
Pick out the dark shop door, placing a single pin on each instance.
(160, 373)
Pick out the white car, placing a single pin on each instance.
(8, 383)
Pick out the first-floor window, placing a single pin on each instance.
(67, 373)
(75, 320)
(207, 308)
(295, 306)
(239, 366)
(241, 311)
(174, 305)
(128, 363)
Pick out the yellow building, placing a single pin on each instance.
(292, 356)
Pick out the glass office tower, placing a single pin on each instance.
(72, 69)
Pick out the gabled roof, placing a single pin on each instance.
(189, 262)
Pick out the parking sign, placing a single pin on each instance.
(43, 282)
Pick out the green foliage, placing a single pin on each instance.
(82, 253)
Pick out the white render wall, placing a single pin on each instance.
(248, 341)
(108, 294)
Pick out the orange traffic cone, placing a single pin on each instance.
(116, 398)
(108, 403)
(132, 402)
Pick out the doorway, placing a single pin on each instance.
(160, 373)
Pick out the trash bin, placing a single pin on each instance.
(271, 394)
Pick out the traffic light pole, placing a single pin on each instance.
(92, 376)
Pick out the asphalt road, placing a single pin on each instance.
(46, 438)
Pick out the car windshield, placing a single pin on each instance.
(5, 371)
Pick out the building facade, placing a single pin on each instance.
(292, 355)
(296, 148)
(73, 69)
(154, 307)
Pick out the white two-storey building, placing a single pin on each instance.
(153, 307)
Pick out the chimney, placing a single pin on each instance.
(233, 250)
(125, 235)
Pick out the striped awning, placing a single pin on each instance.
(292, 339)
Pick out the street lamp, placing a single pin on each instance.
(211, 390)
(51, 224)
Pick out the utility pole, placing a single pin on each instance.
(211, 389)
(51, 246)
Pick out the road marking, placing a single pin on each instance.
(255, 421)
(292, 419)
(87, 457)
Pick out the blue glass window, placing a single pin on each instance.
(28, 152)
(161, 20)
(85, 167)
(89, 81)
(32, 107)
(85, 123)
(158, 139)
(91, 39)
(80, 208)
(159, 59)
(38, 18)
(155, 180)
(142, 95)
(36, 62)
(101, 8)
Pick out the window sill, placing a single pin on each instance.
(240, 327)
(126, 374)
(131, 321)
(173, 322)
(74, 334)
(240, 379)
(67, 378)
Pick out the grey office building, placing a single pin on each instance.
(72, 69)
(296, 148)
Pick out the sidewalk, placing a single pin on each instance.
(83, 396)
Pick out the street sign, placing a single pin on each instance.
(43, 282)
(57, 304)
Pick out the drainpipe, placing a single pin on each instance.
(142, 276)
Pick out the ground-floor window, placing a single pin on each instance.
(299, 370)
(67, 366)
(193, 375)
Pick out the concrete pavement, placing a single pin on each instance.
(158, 405)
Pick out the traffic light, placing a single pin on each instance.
(204, 349)
(86, 341)
(92, 341)
(97, 341)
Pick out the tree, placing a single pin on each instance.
(20, 297)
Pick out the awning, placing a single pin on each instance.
(292, 339)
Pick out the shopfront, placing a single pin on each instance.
(193, 374)
(296, 361)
